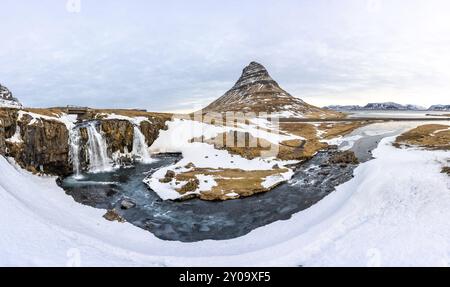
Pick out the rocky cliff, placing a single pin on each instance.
(40, 143)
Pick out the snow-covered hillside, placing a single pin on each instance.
(400, 220)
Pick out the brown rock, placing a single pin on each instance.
(112, 215)
(344, 157)
(118, 134)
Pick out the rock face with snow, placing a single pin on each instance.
(41, 143)
(7, 99)
(256, 91)
(439, 108)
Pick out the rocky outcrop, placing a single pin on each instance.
(344, 157)
(41, 144)
(37, 145)
(150, 129)
(8, 118)
(7, 99)
(118, 134)
(44, 146)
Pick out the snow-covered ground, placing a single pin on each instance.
(393, 212)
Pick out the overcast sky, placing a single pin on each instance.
(180, 55)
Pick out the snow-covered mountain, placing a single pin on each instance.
(439, 108)
(256, 91)
(377, 106)
(7, 99)
(391, 106)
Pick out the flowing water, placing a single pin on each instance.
(140, 148)
(99, 160)
(97, 149)
(195, 220)
(75, 143)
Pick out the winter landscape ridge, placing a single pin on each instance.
(125, 187)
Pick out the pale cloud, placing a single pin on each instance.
(180, 56)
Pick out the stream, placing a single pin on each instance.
(195, 219)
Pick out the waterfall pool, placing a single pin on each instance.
(195, 220)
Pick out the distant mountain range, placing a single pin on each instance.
(387, 106)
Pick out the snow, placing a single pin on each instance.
(401, 220)
(68, 120)
(206, 182)
(273, 180)
(9, 104)
(135, 120)
(377, 129)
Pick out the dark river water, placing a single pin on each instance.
(195, 220)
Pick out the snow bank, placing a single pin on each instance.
(399, 220)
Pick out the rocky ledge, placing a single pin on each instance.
(39, 139)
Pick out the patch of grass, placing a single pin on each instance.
(308, 131)
(190, 186)
(431, 136)
(242, 182)
(238, 143)
(50, 112)
(112, 215)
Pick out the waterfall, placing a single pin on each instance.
(140, 148)
(97, 150)
(74, 153)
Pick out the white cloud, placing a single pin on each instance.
(176, 56)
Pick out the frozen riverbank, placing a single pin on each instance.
(367, 221)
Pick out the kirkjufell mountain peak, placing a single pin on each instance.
(256, 91)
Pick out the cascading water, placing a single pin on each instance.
(75, 141)
(97, 150)
(140, 148)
